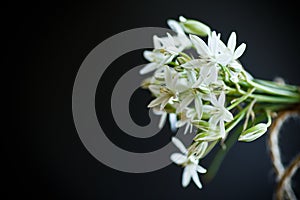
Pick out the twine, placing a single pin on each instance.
(284, 174)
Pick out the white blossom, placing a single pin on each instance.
(187, 118)
(190, 164)
(219, 114)
(169, 93)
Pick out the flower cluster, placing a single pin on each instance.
(204, 87)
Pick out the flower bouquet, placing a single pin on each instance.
(203, 87)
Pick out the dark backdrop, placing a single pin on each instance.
(49, 41)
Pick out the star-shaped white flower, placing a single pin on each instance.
(169, 93)
(231, 56)
(231, 45)
(210, 52)
(171, 44)
(187, 117)
(219, 114)
(190, 164)
(157, 60)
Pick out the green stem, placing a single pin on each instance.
(216, 163)
(236, 120)
(266, 98)
(274, 99)
(272, 90)
(240, 100)
(272, 84)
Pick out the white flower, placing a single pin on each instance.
(187, 117)
(169, 93)
(219, 114)
(231, 55)
(208, 73)
(190, 162)
(171, 44)
(206, 76)
(181, 39)
(209, 52)
(231, 44)
(216, 52)
(157, 60)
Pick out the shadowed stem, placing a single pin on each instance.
(216, 163)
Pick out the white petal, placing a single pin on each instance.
(170, 42)
(179, 145)
(221, 45)
(214, 43)
(214, 119)
(174, 82)
(168, 76)
(186, 129)
(162, 120)
(221, 99)
(198, 106)
(213, 76)
(198, 82)
(192, 64)
(232, 42)
(191, 128)
(149, 67)
(224, 58)
(173, 121)
(202, 148)
(178, 158)
(180, 84)
(182, 19)
(196, 179)
(227, 115)
(200, 45)
(158, 101)
(222, 129)
(167, 59)
(236, 65)
(201, 169)
(206, 69)
(148, 55)
(208, 108)
(175, 26)
(239, 51)
(186, 176)
(214, 100)
(185, 102)
(157, 42)
(164, 103)
(155, 89)
(191, 74)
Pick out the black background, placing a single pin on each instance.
(49, 41)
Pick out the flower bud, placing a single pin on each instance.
(253, 133)
(194, 27)
(203, 89)
(182, 60)
(207, 136)
(197, 149)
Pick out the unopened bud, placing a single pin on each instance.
(253, 133)
(194, 27)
